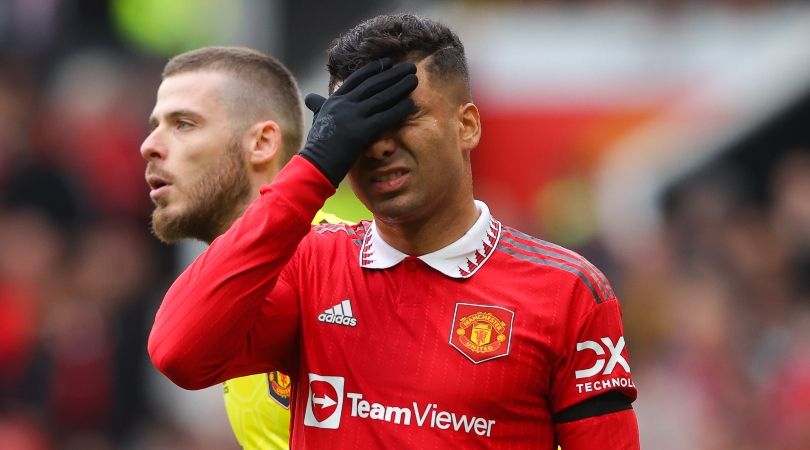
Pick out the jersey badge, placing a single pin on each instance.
(325, 402)
(280, 387)
(481, 332)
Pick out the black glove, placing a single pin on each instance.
(371, 100)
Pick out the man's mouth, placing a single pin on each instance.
(158, 184)
(388, 176)
(389, 181)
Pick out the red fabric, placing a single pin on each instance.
(197, 328)
(398, 374)
(615, 431)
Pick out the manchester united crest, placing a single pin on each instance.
(280, 386)
(481, 332)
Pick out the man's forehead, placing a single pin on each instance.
(190, 89)
(193, 84)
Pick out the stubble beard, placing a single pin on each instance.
(214, 202)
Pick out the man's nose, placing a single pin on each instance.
(382, 147)
(151, 148)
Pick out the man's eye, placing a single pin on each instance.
(182, 124)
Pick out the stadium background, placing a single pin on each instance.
(667, 141)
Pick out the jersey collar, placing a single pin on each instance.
(461, 259)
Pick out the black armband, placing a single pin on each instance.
(595, 406)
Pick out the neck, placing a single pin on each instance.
(238, 210)
(426, 235)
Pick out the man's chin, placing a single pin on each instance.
(394, 210)
(167, 227)
(172, 227)
(162, 230)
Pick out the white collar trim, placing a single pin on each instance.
(461, 259)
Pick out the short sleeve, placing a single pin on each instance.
(593, 357)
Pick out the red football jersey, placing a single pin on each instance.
(477, 345)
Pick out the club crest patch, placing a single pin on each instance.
(280, 386)
(481, 332)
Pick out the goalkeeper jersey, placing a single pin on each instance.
(258, 405)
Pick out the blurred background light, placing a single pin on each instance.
(167, 28)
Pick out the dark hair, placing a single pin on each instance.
(402, 37)
(271, 89)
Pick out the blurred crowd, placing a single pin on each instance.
(79, 274)
(718, 313)
(717, 308)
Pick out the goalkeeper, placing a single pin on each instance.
(226, 120)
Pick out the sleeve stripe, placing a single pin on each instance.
(546, 249)
(564, 251)
(547, 262)
(572, 262)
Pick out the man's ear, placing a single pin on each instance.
(469, 126)
(264, 143)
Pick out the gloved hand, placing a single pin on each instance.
(371, 100)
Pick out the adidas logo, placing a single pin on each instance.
(340, 314)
